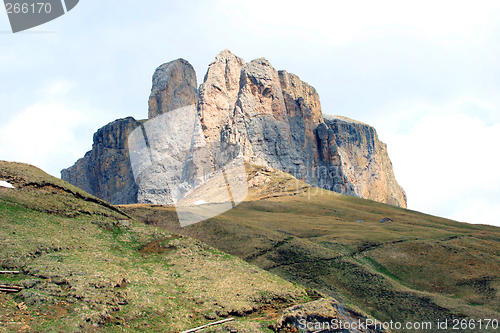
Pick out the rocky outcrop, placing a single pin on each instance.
(362, 159)
(105, 171)
(249, 110)
(174, 86)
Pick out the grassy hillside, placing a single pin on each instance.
(87, 266)
(416, 267)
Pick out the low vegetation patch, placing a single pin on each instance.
(397, 264)
(84, 266)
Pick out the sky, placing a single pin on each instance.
(425, 75)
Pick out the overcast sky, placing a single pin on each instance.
(426, 76)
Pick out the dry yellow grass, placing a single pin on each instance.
(417, 267)
(83, 269)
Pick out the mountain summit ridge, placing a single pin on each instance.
(269, 117)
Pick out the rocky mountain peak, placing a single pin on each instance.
(227, 56)
(297, 89)
(260, 90)
(269, 117)
(174, 86)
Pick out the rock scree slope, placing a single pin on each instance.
(269, 117)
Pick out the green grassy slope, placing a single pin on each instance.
(416, 268)
(84, 269)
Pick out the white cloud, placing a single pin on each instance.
(56, 89)
(480, 208)
(401, 121)
(41, 134)
(338, 22)
(45, 133)
(20, 56)
(448, 166)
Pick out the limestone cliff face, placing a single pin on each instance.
(269, 117)
(174, 86)
(105, 171)
(364, 161)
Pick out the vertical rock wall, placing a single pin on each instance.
(105, 171)
(269, 117)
